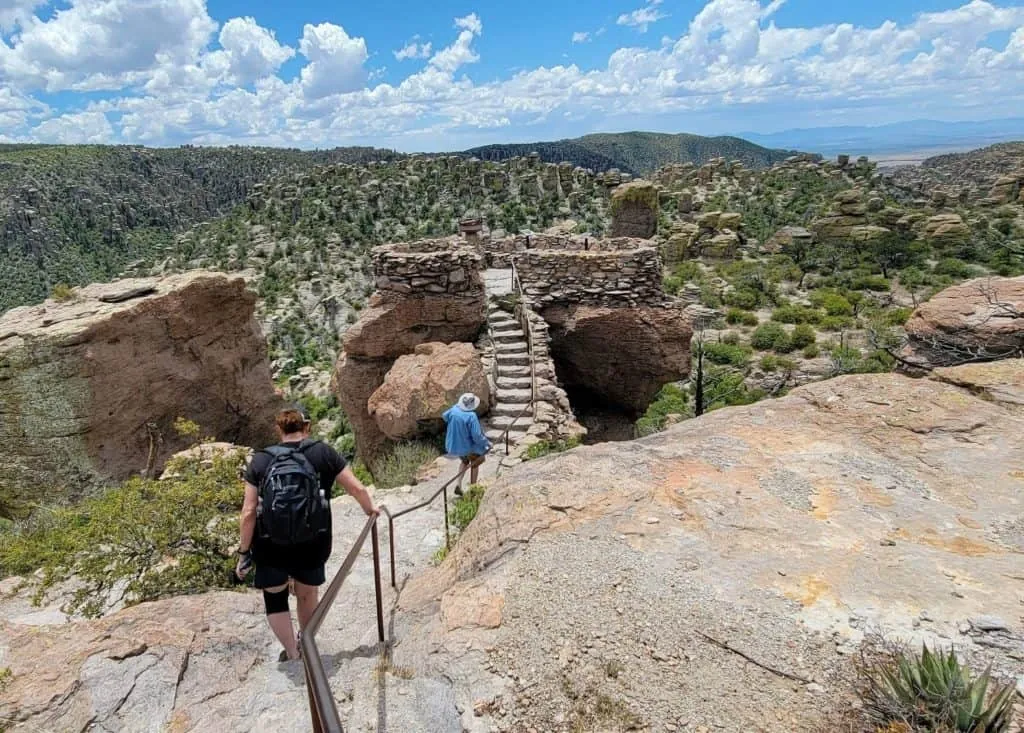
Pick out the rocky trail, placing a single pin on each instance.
(208, 662)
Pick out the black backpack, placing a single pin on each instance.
(292, 508)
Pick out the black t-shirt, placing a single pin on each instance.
(328, 463)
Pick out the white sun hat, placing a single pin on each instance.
(469, 402)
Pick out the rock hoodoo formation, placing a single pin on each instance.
(635, 210)
(90, 387)
(979, 320)
(427, 292)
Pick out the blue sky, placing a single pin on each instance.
(452, 74)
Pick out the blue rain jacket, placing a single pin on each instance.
(464, 435)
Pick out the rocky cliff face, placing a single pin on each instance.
(90, 387)
(593, 588)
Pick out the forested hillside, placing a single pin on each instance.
(78, 214)
(638, 153)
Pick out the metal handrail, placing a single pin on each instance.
(322, 707)
(408, 510)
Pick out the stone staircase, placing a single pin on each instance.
(514, 378)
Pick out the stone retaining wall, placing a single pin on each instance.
(433, 266)
(500, 252)
(622, 278)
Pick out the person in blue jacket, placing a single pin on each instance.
(465, 438)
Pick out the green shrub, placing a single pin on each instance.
(812, 351)
(731, 337)
(740, 317)
(362, 472)
(401, 464)
(767, 335)
(934, 691)
(952, 267)
(803, 336)
(874, 283)
(673, 284)
(547, 447)
(148, 539)
(466, 507)
(727, 354)
(744, 298)
(772, 363)
(836, 323)
(62, 292)
(671, 400)
(835, 304)
(796, 314)
(896, 316)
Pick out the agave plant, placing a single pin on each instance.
(935, 692)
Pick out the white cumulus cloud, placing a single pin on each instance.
(734, 60)
(335, 61)
(105, 44)
(580, 36)
(642, 18)
(248, 52)
(414, 50)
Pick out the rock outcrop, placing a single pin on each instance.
(787, 530)
(979, 320)
(90, 387)
(595, 590)
(622, 355)
(396, 322)
(422, 385)
(946, 230)
(635, 210)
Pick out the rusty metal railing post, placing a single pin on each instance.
(447, 532)
(391, 546)
(376, 582)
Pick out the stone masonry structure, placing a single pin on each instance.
(433, 266)
(626, 278)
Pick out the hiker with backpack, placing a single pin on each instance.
(286, 521)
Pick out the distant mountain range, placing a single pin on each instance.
(900, 137)
(638, 153)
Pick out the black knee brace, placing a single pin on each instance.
(276, 602)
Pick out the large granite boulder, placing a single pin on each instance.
(979, 320)
(90, 387)
(422, 385)
(392, 326)
(622, 355)
(635, 210)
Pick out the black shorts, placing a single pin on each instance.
(271, 577)
(473, 459)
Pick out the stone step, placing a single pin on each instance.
(501, 422)
(498, 436)
(507, 360)
(514, 383)
(515, 347)
(515, 371)
(513, 409)
(514, 396)
(510, 337)
(503, 326)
